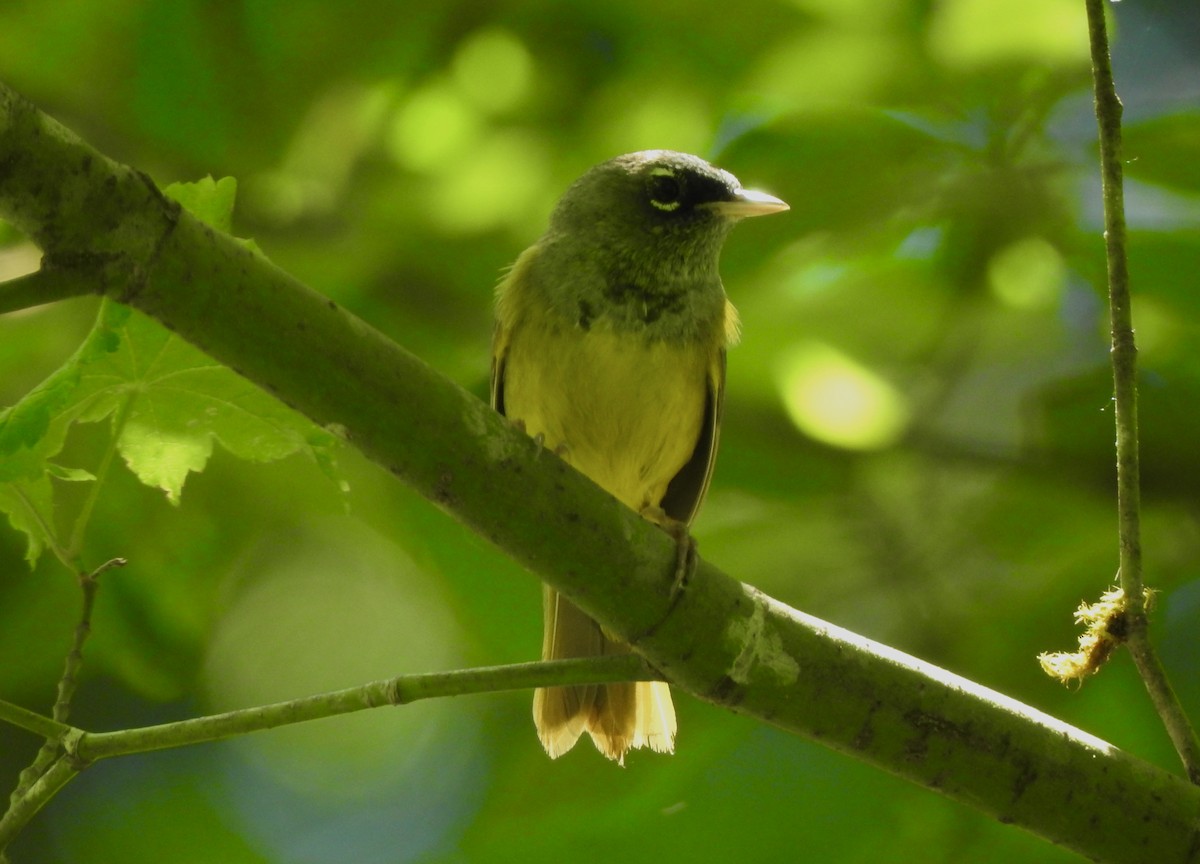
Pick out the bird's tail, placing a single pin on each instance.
(619, 717)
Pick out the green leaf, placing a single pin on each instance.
(209, 200)
(169, 403)
(179, 402)
(183, 401)
(27, 505)
(71, 475)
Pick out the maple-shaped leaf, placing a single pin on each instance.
(168, 403)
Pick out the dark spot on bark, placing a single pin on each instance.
(726, 691)
(442, 489)
(1028, 774)
(866, 732)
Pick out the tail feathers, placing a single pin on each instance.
(561, 714)
(655, 724)
(618, 717)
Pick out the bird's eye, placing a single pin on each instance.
(666, 189)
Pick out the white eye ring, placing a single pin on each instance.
(672, 204)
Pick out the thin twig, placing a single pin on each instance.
(31, 721)
(41, 287)
(89, 584)
(394, 691)
(25, 807)
(1124, 362)
(52, 748)
(87, 747)
(74, 749)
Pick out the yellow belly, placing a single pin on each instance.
(624, 412)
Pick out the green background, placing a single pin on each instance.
(917, 443)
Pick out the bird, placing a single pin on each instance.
(609, 349)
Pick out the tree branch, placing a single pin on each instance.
(41, 287)
(89, 747)
(33, 722)
(89, 583)
(395, 691)
(718, 639)
(27, 805)
(75, 749)
(1124, 363)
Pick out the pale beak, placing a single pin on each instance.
(747, 202)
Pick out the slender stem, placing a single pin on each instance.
(75, 544)
(89, 584)
(1167, 704)
(73, 749)
(51, 749)
(25, 806)
(1124, 362)
(41, 287)
(395, 691)
(31, 721)
(1124, 349)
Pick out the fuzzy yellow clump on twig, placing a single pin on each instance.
(1105, 627)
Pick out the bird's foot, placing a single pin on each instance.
(685, 548)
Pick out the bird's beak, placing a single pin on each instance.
(747, 202)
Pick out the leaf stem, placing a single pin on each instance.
(75, 545)
(1124, 363)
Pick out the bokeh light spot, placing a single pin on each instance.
(493, 186)
(493, 69)
(333, 608)
(835, 399)
(969, 33)
(1029, 274)
(433, 129)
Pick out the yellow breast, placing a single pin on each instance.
(626, 412)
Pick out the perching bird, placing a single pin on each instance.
(609, 347)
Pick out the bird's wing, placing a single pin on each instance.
(499, 348)
(686, 491)
(511, 295)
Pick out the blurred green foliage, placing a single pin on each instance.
(918, 442)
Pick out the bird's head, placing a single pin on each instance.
(659, 213)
